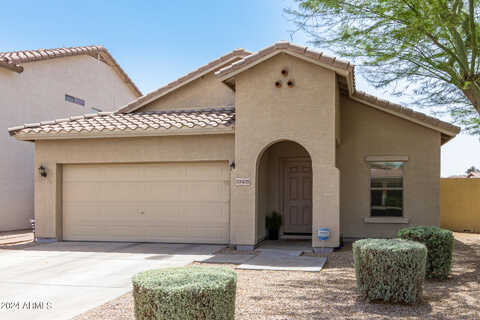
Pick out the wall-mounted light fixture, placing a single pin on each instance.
(43, 171)
(232, 165)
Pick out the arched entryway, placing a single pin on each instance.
(284, 185)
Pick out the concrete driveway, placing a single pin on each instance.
(61, 280)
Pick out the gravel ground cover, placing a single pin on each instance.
(331, 293)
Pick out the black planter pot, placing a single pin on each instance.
(273, 234)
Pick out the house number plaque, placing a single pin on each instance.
(242, 181)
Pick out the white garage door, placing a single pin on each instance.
(157, 202)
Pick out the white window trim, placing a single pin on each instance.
(389, 158)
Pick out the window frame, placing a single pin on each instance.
(75, 100)
(381, 219)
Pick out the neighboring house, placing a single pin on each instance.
(470, 175)
(473, 175)
(205, 158)
(37, 85)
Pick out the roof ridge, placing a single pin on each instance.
(285, 45)
(155, 94)
(368, 98)
(189, 110)
(45, 49)
(112, 113)
(112, 123)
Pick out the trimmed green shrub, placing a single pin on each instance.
(439, 243)
(185, 293)
(391, 270)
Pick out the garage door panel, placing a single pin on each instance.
(152, 233)
(144, 191)
(166, 202)
(79, 192)
(149, 213)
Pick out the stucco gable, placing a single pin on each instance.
(205, 92)
(447, 130)
(183, 81)
(342, 68)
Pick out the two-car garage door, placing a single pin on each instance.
(157, 202)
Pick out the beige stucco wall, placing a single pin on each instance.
(370, 132)
(269, 180)
(266, 114)
(206, 91)
(53, 153)
(338, 115)
(38, 94)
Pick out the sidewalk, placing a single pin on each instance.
(16, 237)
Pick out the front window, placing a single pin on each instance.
(386, 189)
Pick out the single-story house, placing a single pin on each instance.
(205, 158)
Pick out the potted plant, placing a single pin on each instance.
(273, 224)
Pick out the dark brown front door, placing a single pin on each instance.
(297, 196)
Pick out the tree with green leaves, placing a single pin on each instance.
(427, 49)
(472, 169)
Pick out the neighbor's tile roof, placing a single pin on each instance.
(14, 59)
(135, 121)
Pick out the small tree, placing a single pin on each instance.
(433, 44)
(472, 169)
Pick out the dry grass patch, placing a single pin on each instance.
(331, 294)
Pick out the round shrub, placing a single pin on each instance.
(439, 243)
(185, 293)
(391, 270)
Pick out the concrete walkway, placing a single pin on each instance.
(15, 237)
(274, 255)
(62, 280)
(279, 262)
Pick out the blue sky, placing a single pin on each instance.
(159, 41)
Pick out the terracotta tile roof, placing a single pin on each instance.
(345, 77)
(138, 103)
(13, 59)
(222, 117)
(369, 99)
(288, 47)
